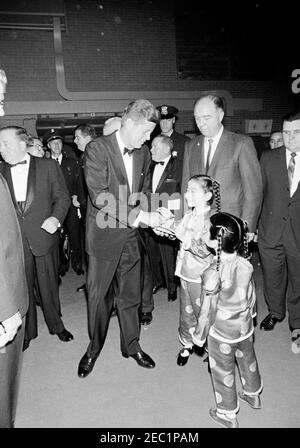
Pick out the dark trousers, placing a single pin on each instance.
(281, 274)
(44, 271)
(10, 369)
(146, 274)
(74, 228)
(163, 253)
(125, 275)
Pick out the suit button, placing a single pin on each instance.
(289, 204)
(284, 218)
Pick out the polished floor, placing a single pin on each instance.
(120, 394)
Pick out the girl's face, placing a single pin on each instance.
(195, 195)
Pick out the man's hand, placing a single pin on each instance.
(9, 328)
(51, 224)
(75, 201)
(151, 219)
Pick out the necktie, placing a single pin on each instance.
(291, 168)
(130, 151)
(19, 163)
(57, 160)
(210, 140)
(159, 163)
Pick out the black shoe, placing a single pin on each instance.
(26, 344)
(172, 295)
(182, 360)
(85, 366)
(114, 312)
(65, 336)
(269, 322)
(156, 288)
(146, 318)
(81, 288)
(142, 359)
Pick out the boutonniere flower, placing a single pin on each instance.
(174, 153)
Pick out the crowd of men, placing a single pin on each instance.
(97, 205)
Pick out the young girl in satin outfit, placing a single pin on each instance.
(230, 336)
(194, 256)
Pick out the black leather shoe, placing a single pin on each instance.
(65, 336)
(26, 344)
(142, 359)
(85, 366)
(156, 288)
(81, 288)
(172, 295)
(182, 360)
(114, 312)
(269, 322)
(146, 318)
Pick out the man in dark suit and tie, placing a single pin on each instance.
(168, 116)
(41, 201)
(229, 158)
(72, 226)
(166, 174)
(117, 172)
(279, 229)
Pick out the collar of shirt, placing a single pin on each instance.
(59, 158)
(23, 167)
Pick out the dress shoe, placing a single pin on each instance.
(146, 318)
(86, 365)
(142, 359)
(156, 288)
(252, 400)
(223, 420)
(296, 340)
(26, 344)
(183, 356)
(269, 322)
(172, 295)
(114, 312)
(81, 288)
(65, 336)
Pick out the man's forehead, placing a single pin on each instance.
(205, 105)
(291, 125)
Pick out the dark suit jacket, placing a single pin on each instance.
(179, 142)
(170, 182)
(13, 288)
(47, 195)
(235, 166)
(111, 211)
(279, 209)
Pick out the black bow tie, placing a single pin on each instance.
(159, 163)
(19, 163)
(130, 151)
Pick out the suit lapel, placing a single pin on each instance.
(137, 166)
(31, 180)
(165, 173)
(7, 175)
(220, 152)
(118, 162)
(197, 166)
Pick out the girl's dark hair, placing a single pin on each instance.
(231, 233)
(210, 185)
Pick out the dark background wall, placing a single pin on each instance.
(135, 45)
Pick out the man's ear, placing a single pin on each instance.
(128, 123)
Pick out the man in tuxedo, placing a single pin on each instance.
(13, 307)
(276, 140)
(166, 174)
(13, 297)
(83, 134)
(117, 174)
(278, 231)
(73, 223)
(41, 201)
(168, 116)
(229, 158)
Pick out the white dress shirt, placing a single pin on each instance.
(58, 159)
(157, 173)
(127, 159)
(19, 175)
(215, 141)
(296, 177)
